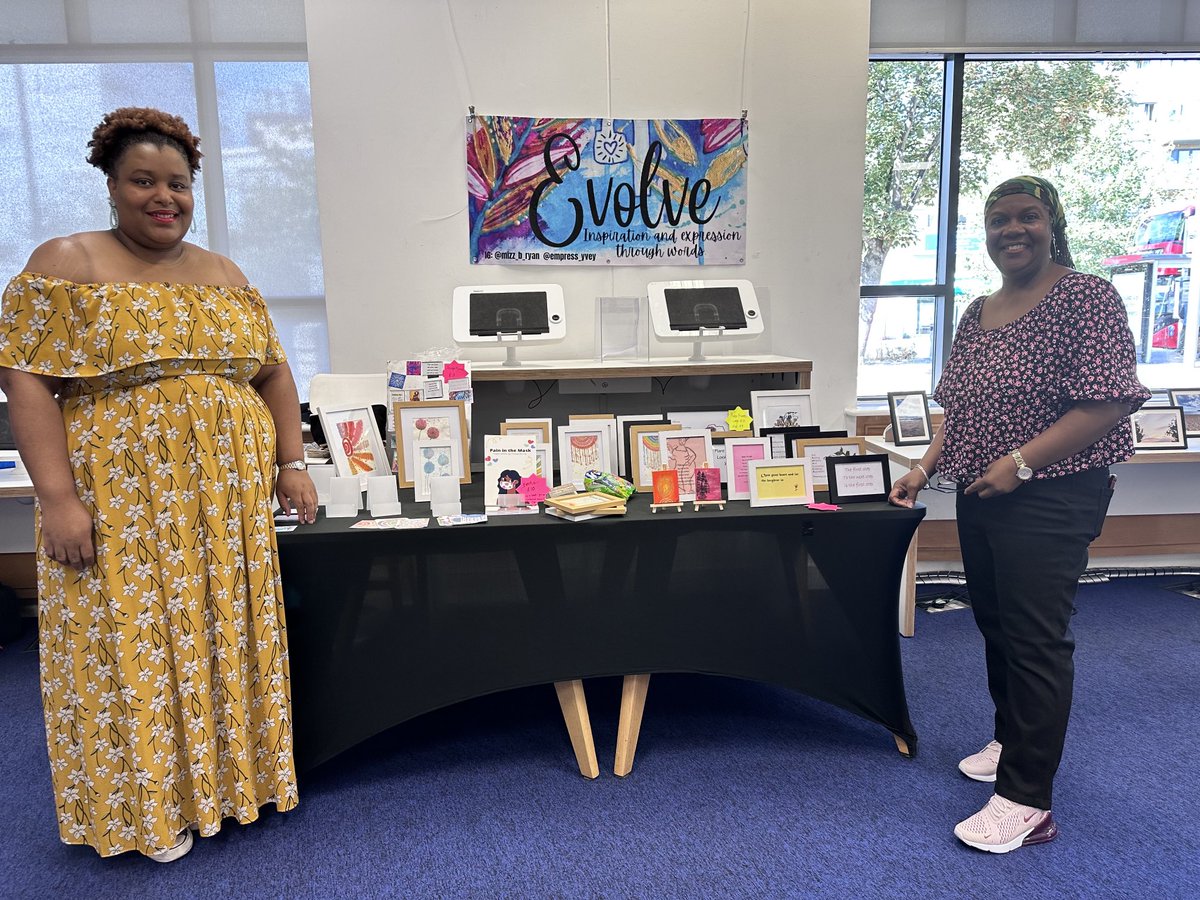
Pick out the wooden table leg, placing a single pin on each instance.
(579, 726)
(633, 703)
(908, 591)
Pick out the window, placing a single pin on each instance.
(237, 73)
(942, 130)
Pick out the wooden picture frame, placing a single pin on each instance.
(738, 454)
(624, 423)
(709, 418)
(577, 454)
(779, 482)
(450, 427)
(1158, 428)
(818, 449)
(543, 429)
(684, 451)
(859, 479)
(355, 445)
(1187, 399)
(909, 413)
(644, 459)
(782, 409)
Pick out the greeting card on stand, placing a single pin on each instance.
(508, 459)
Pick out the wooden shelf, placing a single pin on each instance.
(537, 370)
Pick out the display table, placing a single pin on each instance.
(387, 625)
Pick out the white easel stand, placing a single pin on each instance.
(345, 497)
(383, 497)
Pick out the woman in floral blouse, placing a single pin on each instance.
(154, 408)
(1040, 381)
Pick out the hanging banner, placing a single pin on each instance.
(623, 192)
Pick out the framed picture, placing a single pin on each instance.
(355, 447)
(859, 479)
(578, 504)
(432, 459)
(624, 423)
(909, 411)
(782, 439)
(609, 423)
(583, 446)
(718, 448)
(545, 462)
(819, 449)
(696, 417)
(542, 429)
(1189, 401)
(1158, 428)
(781, 409)
(685, 451)
(645, 452)
(739, 452)
(436, 422)
(779, 482)
(508, 459)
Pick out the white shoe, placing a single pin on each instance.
(1003, 825)
(982, 765)
(173, 853)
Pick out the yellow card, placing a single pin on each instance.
(738, 419)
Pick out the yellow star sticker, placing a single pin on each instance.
(738, 419)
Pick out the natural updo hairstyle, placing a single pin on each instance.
(129, 125)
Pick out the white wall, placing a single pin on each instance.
(390, 92)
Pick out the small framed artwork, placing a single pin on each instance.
(666, 486)
(1158, 428)
(1189, 401)
(608, 422)
(685, 451)
(541, 429)
(645, 452)
(432, 460)
(739, 453)
(909, 411)
(624, 423)
(859, 479)
(818, 450)
(708, 484)
(782, 439)
(779, 482)
(508, 459)
(355, 447)
(781, 409)
(583, 446)
(718, 448)
(697, 417)
(437, 422)
(545, 462)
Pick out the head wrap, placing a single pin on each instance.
(1044, 191)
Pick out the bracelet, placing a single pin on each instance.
(294, 464)
(923, 472)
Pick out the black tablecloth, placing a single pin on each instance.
(387, 625)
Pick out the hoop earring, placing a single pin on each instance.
(192, 228)
(112, 215)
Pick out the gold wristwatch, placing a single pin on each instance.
(1023, 471)
(295, 464)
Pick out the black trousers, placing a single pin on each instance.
(1023, 554)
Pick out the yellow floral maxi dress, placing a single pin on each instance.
(164, 667)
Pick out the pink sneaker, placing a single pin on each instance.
(1003, 825)
(982, 765)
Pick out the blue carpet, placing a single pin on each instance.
(738, 790)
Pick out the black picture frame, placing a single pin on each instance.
(788, 434)
(909, 429)
(1187, 399)
(877, 465)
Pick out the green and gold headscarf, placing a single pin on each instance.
(1043, 190)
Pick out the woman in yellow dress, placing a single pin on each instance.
(153, 406)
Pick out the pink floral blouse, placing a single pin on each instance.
(1003, 387)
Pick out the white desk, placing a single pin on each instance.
(1156, 510)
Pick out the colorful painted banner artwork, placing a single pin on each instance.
(624, 192)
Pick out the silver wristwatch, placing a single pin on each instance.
(295, 464)
(1023, 471)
